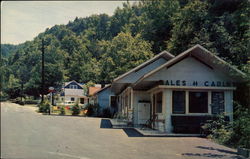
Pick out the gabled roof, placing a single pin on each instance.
(67, 83)
(202, 54)
(163, 54)
(93, 90)
(107, 86)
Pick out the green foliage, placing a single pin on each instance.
(87, 85)
(75, 110)
(92, 109)
(106, 112)
(121, 54)
(156, 21)
(241, 127)
(13, 86)
(219, 129)
(220, 26)
(44, 107)
(236, 133)
(62, 110)
(8, 49)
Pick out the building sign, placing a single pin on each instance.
(199, 83)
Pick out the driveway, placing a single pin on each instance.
(27, 134)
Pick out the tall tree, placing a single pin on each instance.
(121, 54)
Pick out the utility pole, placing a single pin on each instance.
(42, 70)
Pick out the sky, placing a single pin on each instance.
(24, 20)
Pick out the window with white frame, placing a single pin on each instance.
(73, 86)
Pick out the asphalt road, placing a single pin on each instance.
(27, 134)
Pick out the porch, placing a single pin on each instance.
(168, 109)
(147, 132)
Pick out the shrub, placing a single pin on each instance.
(120, 116)
(3, 96)
(44, 107)
(106, 113)
(241, 127)
(62, 110)
(75, 110)
(219, 129)
(92, 109)
(236, 133)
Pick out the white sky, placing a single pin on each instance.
(24, 20)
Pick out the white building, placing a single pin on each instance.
(177, 93)
(71, 92)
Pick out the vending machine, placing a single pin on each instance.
(143, 112)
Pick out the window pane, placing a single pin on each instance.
(159, 102)
(113, 101)
(218, 102)
(198, 102)
(82, 100)
(179, 102)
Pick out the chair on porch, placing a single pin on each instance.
(149, 123)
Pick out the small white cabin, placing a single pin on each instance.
(178, 93)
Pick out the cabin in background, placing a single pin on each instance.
(71, 93)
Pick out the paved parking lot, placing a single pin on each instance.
(27, 134)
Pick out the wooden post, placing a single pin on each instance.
(42, 70)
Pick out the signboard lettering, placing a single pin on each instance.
(199, 83)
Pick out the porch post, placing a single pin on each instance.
(132, 115)
(167, 94)
(187, 102)
(209, 102)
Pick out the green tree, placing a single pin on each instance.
(13, 87)
(124, 52)
(157, 23)
(190, 26)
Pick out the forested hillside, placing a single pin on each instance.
(101, 47)
(8, 49)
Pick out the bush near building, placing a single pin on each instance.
(233, 134)
(75, 110)
(62, 111)
(44, 107)
(106, 113)
(92, 110)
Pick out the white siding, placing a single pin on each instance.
(189, 70)
(73, 92)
